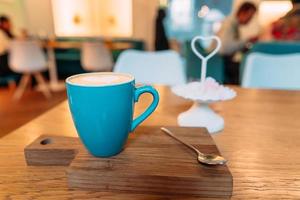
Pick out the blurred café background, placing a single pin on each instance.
(44, 41)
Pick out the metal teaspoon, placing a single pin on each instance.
(209, 159)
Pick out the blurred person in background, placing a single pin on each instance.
(288, 27)
(232, 42)
(5, 37)
(161, 40)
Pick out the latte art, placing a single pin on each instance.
(99, 79)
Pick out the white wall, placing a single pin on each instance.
(134, 18)
(144, 13)
(74, 18)
(36, 16)
(114, 20)
(93, 18)
(39, 18)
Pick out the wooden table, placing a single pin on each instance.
(261, 140)
(77, 45)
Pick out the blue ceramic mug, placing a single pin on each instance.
(102, 106)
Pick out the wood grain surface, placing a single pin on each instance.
(50, 150)
(13, 114)
(154, 163)
(261, 140)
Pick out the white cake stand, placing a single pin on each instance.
(200, 114)
(204, 92)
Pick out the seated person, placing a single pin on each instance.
(288, 27)
(5, 37)
(232, 42)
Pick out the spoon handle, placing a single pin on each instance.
(167, 131)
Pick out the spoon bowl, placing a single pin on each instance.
(211, 159)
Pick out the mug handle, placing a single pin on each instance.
(137, 93)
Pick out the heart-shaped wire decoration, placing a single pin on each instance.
(204, 59)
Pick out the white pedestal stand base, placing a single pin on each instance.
(201, 115)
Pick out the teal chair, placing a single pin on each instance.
(215, 66)
(276, 48)
(272, 71)
(159, 67)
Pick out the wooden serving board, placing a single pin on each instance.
(153, 163)
(52, 151)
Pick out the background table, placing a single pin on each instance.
(261, 140)
(55, 84)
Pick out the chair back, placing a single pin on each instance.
(96, 57)
(277, 47)
(26, 56)
(163, 67)
(273, 47)
(272, 71)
